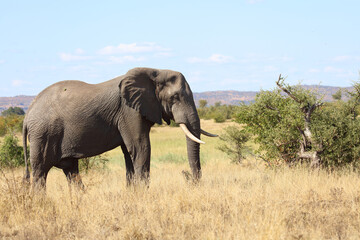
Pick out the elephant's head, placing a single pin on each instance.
(165, 94)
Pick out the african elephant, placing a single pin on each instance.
(70, 120)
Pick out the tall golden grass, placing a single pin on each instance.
(243, 201)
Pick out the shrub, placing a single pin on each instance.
(219, 118)
(11, 123)
(336, 130)
(11, 154)
(13, 111)
(218, 112)
(173, 124)
(98, 162)
(291, 124)
(235, 140)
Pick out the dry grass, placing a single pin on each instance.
(244, 201)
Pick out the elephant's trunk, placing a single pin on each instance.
(193, 149)
(190, 122)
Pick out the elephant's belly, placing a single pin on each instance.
(89, 146)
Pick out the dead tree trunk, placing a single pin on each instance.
(306, 150)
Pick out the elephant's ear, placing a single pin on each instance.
(138, 91)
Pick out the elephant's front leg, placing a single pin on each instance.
(142, 161)
(129, 165)
(70, 167)
(140, 151)
(135, 134)
(135, 130)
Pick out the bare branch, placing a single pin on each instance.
(280, 85)
(271, 108)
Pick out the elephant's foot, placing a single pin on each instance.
(137, 181)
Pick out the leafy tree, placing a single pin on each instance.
(218, 112)
(202, 103)
(337, 129)
(337, 95)
(13, 111)
(292, 124)
(274, 120)
(217, 104)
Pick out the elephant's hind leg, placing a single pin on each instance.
(70, 167)
(40, 167)
(39, 178)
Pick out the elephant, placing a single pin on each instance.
(70, 120)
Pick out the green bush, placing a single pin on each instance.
(274, 120)
(219, 118)
(218, 112)
(13, 111)
(291, 123)
(11, 123)
(234, 143)
(336, 130)
(173, 124)
(98, 162)
(11, 154)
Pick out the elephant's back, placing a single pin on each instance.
(59, 98)
(61, 93)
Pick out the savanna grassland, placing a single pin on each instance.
(232, 201)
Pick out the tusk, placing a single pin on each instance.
(208, 134)
(189, 134)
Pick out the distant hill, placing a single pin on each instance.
(328, 91)
(235, 97)
(17, 101)
(225, 97)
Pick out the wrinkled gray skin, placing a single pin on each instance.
(70, 120)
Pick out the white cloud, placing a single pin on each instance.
(195, 60)
(214, 58)
(314, 70)
(132, 48)
(73, 57)
(330, 69)
(124, 59)
(79, 51)
(346, 58)
(218, 58)
(118, 54)
(2, 61)
(17, 83)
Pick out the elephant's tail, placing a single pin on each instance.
(27, 172)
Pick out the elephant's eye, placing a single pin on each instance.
(174, 98)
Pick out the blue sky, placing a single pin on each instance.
(218, 45)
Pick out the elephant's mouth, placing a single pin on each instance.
(167, 117)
